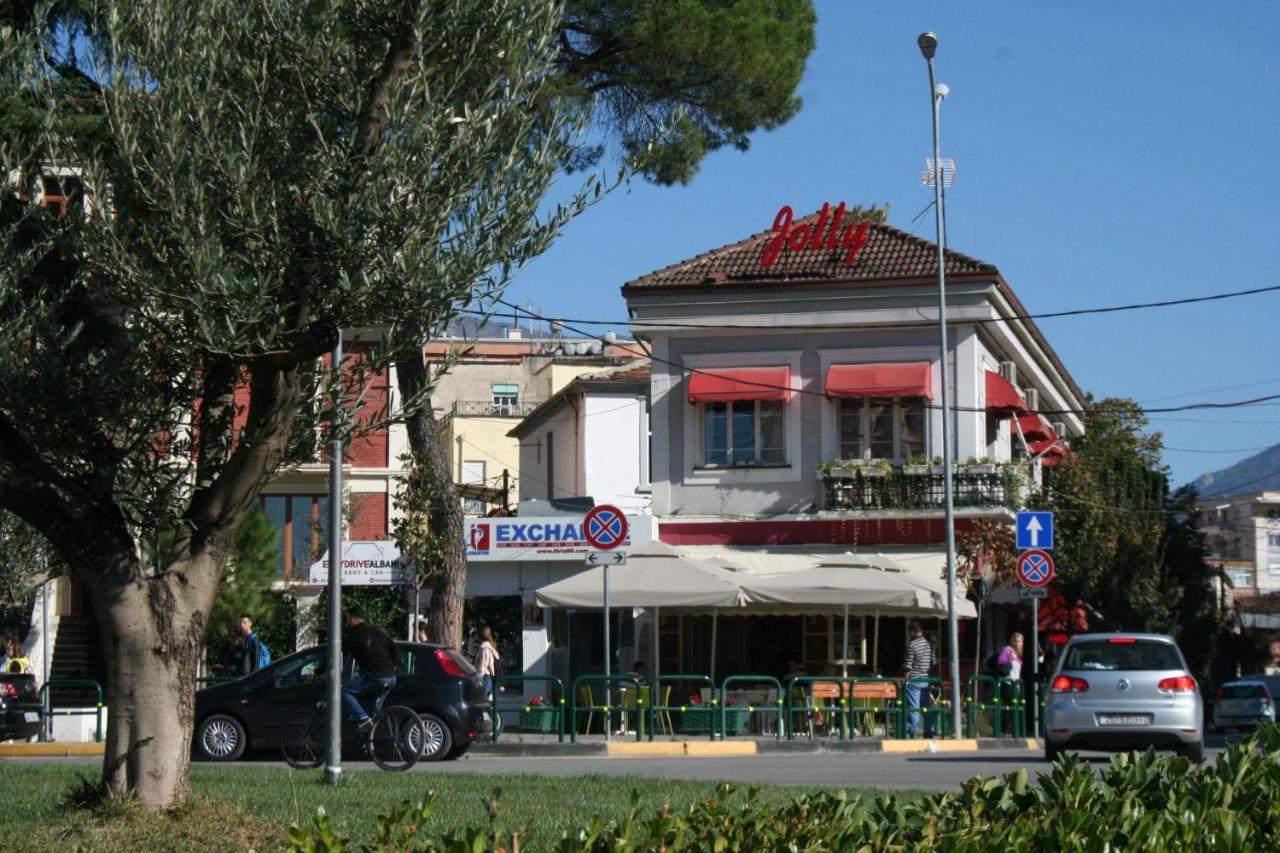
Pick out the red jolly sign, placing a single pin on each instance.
(824, 232)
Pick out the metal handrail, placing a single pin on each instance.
(606, 708)
(751, 709)
(557, 708)
(655, 695)
(46, 708)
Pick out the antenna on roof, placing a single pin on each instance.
(948, 172)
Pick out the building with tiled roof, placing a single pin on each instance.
(591, 438)
(796, 416)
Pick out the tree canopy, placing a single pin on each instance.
(674, 80)
(1125, 543)
(261, 175)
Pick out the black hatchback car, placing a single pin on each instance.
(433, 680)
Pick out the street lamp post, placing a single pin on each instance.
(928, 43)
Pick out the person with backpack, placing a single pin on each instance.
(256, 654)
(1009, 661)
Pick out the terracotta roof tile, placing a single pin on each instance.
(889, 254)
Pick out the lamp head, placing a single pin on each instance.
(928, 44)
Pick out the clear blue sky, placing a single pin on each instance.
(1107, 153)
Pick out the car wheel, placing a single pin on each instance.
(1051, 751)
(220, 738)
(1194, 751)
(458, 751)
(437, 739)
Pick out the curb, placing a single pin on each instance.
(743, 748)
(50, 750)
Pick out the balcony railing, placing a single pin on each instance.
(919, 488)
(489, 409)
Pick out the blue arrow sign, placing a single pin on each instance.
(1035, 530)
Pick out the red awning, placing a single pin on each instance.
(1002, 397)
(740, 383)
(890, 379)
(1034, 428)
(1053, 452)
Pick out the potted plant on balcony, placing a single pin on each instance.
(538, 716)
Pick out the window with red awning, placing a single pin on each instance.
(887, 379)
(1035, 428)
(740, 383)
(1003, 399)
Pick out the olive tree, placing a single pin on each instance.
(256, 176)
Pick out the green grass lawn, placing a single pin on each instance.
(251, 807)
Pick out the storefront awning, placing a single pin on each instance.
(1002, 398)
(740, 383)
(887, 379)
(1035, 428)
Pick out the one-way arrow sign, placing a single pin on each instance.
(1035, 530)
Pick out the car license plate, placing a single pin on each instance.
(31, 716)
(1124, 719)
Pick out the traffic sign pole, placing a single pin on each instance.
(605, 527)
(1035, 665)
(607, 685)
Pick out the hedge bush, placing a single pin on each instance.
(1139, 801)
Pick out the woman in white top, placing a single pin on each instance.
(487, 658)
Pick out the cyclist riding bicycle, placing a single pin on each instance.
(377, 657)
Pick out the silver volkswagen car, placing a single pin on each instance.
(1123, 691)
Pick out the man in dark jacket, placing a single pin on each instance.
(376, 656)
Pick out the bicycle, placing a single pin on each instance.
(394, 741)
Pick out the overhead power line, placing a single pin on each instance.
(1186, 407)
(1074, 312)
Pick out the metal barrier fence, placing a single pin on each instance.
(1015, 705)
(751, 709)
(974, 703)
(935, 716)
(555, 710)
(660, 709)
(894, 708)
(810, 710)
(46, 708)
(607, 709)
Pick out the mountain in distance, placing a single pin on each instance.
(1258, 473)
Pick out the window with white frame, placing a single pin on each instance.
(881, 428)
(505, 396)
(1240, 578)
(744, 432)
(1273, 541)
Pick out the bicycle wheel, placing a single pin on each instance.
(395, 741)
(302, 739)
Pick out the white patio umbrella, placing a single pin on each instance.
(655, 575)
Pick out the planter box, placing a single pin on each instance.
(537, 718)
(699, 720)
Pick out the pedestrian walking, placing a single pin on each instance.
(424, 635)
(487, 658)
(1009, 662)
(256, 655)
(918, 664)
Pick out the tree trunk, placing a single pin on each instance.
(152, 633)
(448, 580)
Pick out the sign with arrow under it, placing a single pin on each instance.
(1035, 530)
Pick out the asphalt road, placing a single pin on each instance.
(940, 771)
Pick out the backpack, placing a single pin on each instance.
(264, 654)
(991, 665)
